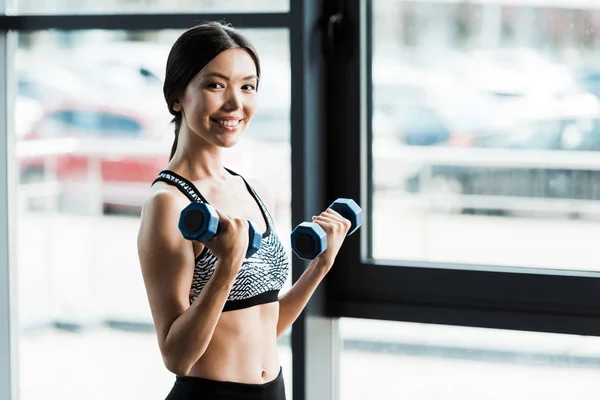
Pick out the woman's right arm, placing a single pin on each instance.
(167, 263)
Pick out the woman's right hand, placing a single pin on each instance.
(230, 244)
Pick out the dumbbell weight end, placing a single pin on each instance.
(348, 209)
(308, 240)
(254, 239)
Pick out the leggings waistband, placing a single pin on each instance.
(205, 388)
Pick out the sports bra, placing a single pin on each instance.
(261, 276)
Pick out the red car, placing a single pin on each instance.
(85, 143)
(130, 148)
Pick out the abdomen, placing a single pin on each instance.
(243, 347)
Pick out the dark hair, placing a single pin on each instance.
(195, 48)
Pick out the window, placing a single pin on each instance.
(497, 200)
(422, 361)
(81, 300)
(458, 231)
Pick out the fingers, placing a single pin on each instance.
(222, 216)
(326, 218)
(225, 217)
(334, 215)
(331, 211)
(345, 220)
(227, 222)
(333, 220)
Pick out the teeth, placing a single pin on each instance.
(229, 123)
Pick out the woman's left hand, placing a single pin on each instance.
(336, 227)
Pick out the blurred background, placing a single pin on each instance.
(485, 141)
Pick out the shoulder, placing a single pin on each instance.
(160, 212)
(159, 241)
(162, 197)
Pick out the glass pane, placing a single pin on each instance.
(38, 7)
(430, 362)
(486, 134)
(93, 131)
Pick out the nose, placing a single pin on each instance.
(233, 101)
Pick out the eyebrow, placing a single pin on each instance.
(219, 75)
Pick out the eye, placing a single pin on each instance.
(215, 85)
(249, 87)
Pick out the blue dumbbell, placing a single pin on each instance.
(309, 240)
(200, 222)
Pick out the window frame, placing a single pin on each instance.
(8, 280)
(466, 295)
(135, 22)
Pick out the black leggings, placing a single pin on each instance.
(194, 388)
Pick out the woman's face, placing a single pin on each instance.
(220, 100)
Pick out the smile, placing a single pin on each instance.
(228, 123)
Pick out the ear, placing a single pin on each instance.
(177, 106)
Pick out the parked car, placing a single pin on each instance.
(431, 107)
(102, 132)
(559, 134)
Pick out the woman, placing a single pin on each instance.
(218, 315)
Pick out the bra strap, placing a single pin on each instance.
(184, 185)
(261, 204)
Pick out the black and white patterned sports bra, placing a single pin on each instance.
(261, 276)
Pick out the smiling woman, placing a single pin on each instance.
(217, 311)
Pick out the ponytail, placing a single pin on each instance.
(177, 121)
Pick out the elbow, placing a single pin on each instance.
(180, 361)
(177, 362)
(176, 365)
(179, 356)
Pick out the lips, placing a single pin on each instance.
(230, 123)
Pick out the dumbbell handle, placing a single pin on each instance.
(194, 225)
(251, 237)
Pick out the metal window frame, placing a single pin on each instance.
(468, 295)
(315, 337)
(136, 22)
(8, 308)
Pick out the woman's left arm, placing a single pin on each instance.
(295, 299)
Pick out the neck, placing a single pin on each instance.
(197, 159)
